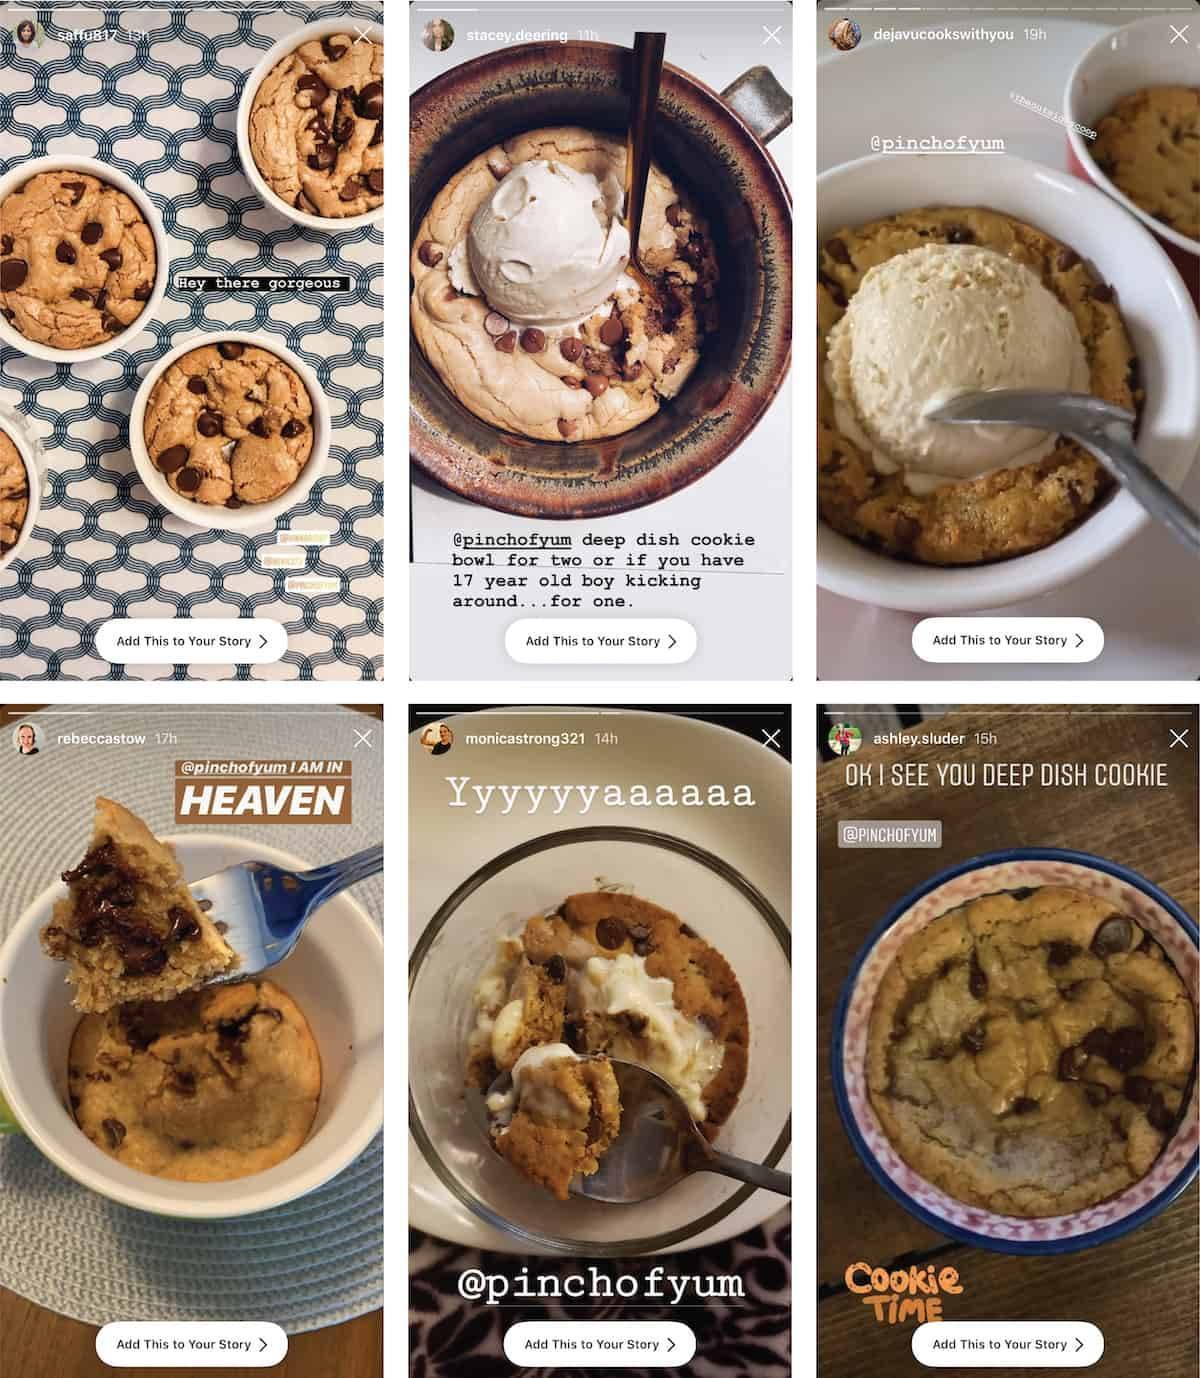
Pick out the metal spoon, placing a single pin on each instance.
(648, 51)
(1105, 430)
(658, 1144)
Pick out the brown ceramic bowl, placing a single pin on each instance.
(713, 151)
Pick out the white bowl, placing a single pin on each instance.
(16, 178)
(16, 428)
(270, 59)
(335, 975)
(1156, 308)
(1116, 65)
(252, 515)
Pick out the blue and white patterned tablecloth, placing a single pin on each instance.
(162, 108)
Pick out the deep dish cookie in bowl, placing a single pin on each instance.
(230, 430)
(503, 924)
(1014, 1051)
(1040, 527)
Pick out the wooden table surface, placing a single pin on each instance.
(1140, 1290)
(35, 1343)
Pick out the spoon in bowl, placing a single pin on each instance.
(648, 51)
(1101, 428)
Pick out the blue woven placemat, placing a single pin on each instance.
(162, 108)
(314, 1262)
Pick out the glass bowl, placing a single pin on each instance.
(459, 941)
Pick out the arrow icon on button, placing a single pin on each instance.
(673, 642)
(1078, 641)
(262, 641)
(262, 1344)
(1078, 1344)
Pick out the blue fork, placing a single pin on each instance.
(263, 908)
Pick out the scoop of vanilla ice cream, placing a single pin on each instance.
(935, 322)
(547, 247)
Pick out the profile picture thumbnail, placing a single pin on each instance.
(25, 739)
(437, 739)
(845, 34)
(30, 34)
(844, 738)
(438, 35)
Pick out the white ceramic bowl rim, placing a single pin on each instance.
(162, 1196)
(16, 428)
(995, 871)
(1081, 146)
(571, 836)
(250, 516)
(1127, 254)
(22, 172)
(274, 55)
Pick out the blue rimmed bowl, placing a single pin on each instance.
(1175, 1167)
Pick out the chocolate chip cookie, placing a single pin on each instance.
(128, 927)
(582, 382)
(1002, 514)
(1029, 1052)
(1149, 145)
(229, 424)
(316, 127)
(77, 260)
(215, 1085)
(14, 494)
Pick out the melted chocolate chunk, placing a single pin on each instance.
(114, 1132)
(610, 933)
(556, 969)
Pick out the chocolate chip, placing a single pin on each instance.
(258, 427)
(142, 291)
(377, 137)
(499, 167)
(323, 159)
(143, 958)
(291, 429)
(92, 232)
(183, 1082)
(836, 249)
(632, 372)
(114, 1132)
(1140, 1090)
(1061, 953)
(1159, 1116)
(197, 385)
(533, 341)
(1071, 1062)
(596, 384)
(333, 51)
(114, 258)
(1097, 1093)
(343, 130)
(573, 1034)
(610, 933)
(612, 331)
(636, 1023)
(370, 101)
(1098, 1042)
(429, 254)
(639, 932)
(350, 191)
(974, 1038)
(174, 458)
(111, 324)
(6, 244)
(189, 480)
(674, 214)
(208, 423)
(642, 948)
(13, 272)
(977, 982)
(1114, 935)
(556, 969)
(1024, 1105)
(230, 349)
(570, 348)
(959, 234)
(1067, 259)
(833, 288)
(78, 294)
(567, 427)
(688, 931)
(375, 180)
(507, 342)
(314, 88)
(233, 504)
(1127, 1048)
(1101, 291)
(183, 925)
(65, 253)
(908, 530)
